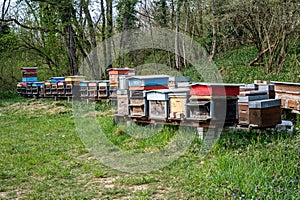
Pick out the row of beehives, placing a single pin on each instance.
(55, 87)
(147, 98)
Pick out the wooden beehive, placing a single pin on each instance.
(103, 89)
(138, 107)
(198, 109)
(243, 107)
(61, 88)
(74, 80)
(179, 82)
(289, 93)
(158, 102)
(148, 81)
(270, 89)
(206, 108)
(123, 102)
(29, 74)
(214, 89)
(83, 89)
(265, 113)
(114, 74)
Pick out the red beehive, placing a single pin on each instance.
(214, 89)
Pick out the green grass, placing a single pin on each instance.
(42, 157)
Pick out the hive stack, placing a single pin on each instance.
(29, 75)
(123, 96)
(103, 89)
(258, 109)
(57, 86)
(138, 104)
(72, 88)
(208, 101)
(83, 89)
(114, 74)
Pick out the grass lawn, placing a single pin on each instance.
(42, 157)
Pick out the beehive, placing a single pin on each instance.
(103, 89)
(289, 93)
(123, 102)
(265, 113)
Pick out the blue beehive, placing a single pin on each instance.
(57, 79)
(148, 81)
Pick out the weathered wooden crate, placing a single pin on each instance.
(265, 113)
(214, 89)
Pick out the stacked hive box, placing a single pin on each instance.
(114, 75)
(38, 89)
(179, 82)
(265, 113)
(289, 93)
(83, 89)
(103, 89)
(257, 109)
(167, 103)
(57, 85)
(93, 89)
(243, 104)
(72, 88)
(137, 84)
(123, 96)
(29, 75)
(208, 101)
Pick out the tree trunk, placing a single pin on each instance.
(109, 30)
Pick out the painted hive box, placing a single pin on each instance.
(214, 89)
(148, 81)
